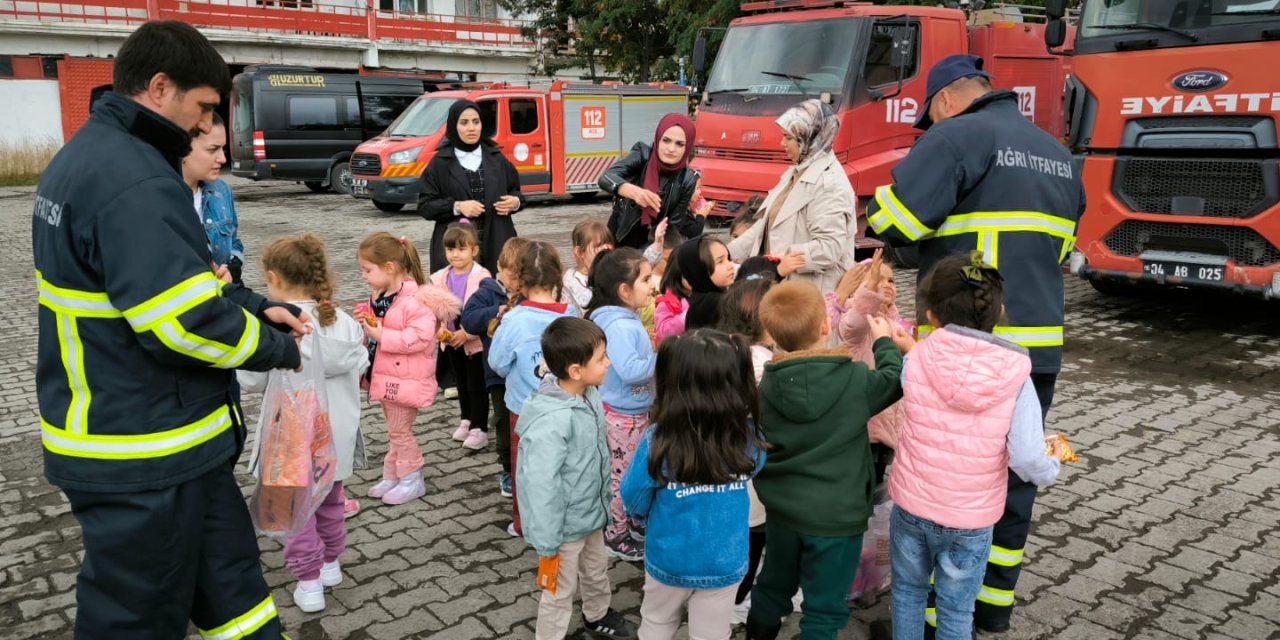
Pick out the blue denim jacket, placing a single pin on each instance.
(697, 534)
(218, 212)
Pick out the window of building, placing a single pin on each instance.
(50, 66)
(524, 115)
(6, 66)
(483, 9)
(313, 112)
(879, 70)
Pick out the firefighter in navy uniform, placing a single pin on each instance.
(138, 340)
(984, 177)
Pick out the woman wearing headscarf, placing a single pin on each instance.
(808, 220)
(648, 186)
(469, 179)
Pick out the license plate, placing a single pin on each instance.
(360, 187)
(1185, 266)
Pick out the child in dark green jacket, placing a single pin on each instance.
(816, 484)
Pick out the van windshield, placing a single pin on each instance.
(423, 118)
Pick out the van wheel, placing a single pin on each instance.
(903, 257)
(316, 186)
(389, 207)
(340, 178)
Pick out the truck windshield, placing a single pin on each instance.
(795, 58)
(422, 118)
(1108, 25)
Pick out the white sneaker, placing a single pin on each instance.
(410, 487)
(463, 430)
(511, 529)
(309, 595)
(476, 440)
(381, 489)
(331, 574)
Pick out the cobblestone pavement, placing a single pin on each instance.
(1168, 528)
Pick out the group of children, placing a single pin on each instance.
(673, 407)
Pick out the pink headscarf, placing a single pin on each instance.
(655, 169)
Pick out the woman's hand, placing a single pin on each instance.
(470, 208)
(791, 263)
(506, 205)
(643, 197)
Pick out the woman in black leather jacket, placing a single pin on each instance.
(647, 189)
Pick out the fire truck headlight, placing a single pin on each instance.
(404, 157)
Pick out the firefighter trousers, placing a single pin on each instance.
(156, 560)
(1008, 539)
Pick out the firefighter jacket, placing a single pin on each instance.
(988, 179)
(137, 337)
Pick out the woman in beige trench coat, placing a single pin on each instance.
(808, 219)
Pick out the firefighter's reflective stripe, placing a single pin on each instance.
(245, 625)
(1007, 222)
(72, 351)
(151, 445)
(1029, 337)
(173, 302)
(1067, 246)
(174, 336)
(893, 213)
(1005, 557)
(931, 616)
(996, 597)
(989, 245)
(80, 304)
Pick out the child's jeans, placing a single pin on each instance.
(403, 454)
(321, 541)
(584, 567)
(956, 559)
(624, 433)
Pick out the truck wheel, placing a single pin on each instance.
(340, 178)
(389, 207)
(903, 257)
(316, 186)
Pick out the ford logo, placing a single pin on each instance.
(1199, 81)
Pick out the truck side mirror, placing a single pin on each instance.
(699, 55)
(1055, 9)
(1055, 33)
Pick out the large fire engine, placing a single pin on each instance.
(870, 63)
(1173, 110)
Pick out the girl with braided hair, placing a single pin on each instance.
(297, 271)
(971, 417)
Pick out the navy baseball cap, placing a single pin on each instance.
(948, 70)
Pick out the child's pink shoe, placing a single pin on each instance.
(408, 489)
(381, 489)
(350, 507)
(464, 429)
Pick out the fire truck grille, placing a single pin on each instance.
(1242, 245)
(366, 164)
(1199, 122)
(749, 155)
(1230, 188)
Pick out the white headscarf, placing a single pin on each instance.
(814, 125)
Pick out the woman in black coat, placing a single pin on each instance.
(649, 186)
(470, 178)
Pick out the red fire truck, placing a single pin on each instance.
(870, 63)
(1174, 113)
(560, 137)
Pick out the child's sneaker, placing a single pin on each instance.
(309, 595)
(350, 507)
(476, 440)
(381, 489)
(638, 530)
(624, 548)
(741, 610)
(504, 485)
(463, 430)
(410, 487)
(511, 529)
(331, 574)
(612, 625)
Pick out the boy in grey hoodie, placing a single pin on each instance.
(562, 469)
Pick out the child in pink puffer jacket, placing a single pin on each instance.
(403, 317)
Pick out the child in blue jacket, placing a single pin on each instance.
(689, 483)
